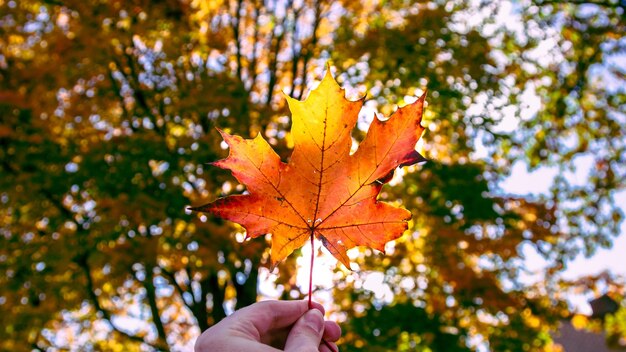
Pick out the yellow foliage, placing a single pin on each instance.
(580, 321)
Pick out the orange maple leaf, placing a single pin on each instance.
(322, 191)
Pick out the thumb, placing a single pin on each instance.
(306, 333)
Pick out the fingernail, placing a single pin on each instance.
(314, 319)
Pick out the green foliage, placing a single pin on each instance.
(615, 327)
(413, 329)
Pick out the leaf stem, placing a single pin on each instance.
(311, 270)
(326, 343)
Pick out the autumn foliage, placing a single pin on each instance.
(110, 112)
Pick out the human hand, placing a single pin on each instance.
(271, 326)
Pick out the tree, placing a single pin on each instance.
(464, 259)
(108, 114)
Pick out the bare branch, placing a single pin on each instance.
(82, 261)
(308, 49)
(607, 4)
(237, 37)
(118, 91)
(295, 53)
(252, 70)
(148, 283)
(275, 45)
(181, 291)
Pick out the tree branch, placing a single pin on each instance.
(252, 70)
(138, 93)
(237, 37)
(211, 284)
(247, 291)
(607, 4)
(118, 92)
(172, 279)
(275, 45)
(308, 50)
(199, 307)
(82, 261)
(154, 309)
(295, 53)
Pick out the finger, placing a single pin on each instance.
(318, 307)
(332, 331)
(324, 347)
(306, 334)
(271, 315)
(278, 337)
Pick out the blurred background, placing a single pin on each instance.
(108, 112)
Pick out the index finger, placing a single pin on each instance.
(270, 315)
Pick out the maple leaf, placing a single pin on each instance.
(323, 190)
